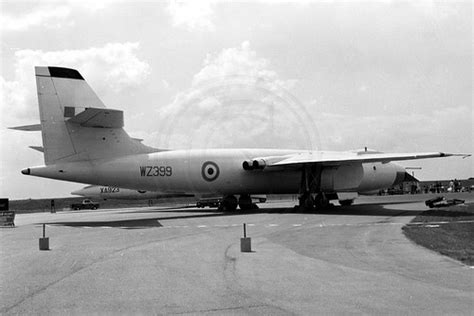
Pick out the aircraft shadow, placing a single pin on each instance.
(125, 224)
(141, 223)
(358, 209)
(190, 213)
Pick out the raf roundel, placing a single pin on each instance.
(210, 171)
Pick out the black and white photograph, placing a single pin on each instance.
(216, 157)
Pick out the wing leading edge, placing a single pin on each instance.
(338, 158)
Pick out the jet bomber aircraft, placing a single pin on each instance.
(83, 141)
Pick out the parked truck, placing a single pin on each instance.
(85, 205)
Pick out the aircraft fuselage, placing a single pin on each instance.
(216, 171)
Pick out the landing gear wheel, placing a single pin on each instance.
(346, 202)
(321, 202)
(228, 204)
(306, 203)
(245, 202)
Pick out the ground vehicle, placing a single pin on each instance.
(208, 203)
(85, 205)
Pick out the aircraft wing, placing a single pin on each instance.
(338, 158)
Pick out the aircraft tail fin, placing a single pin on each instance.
(75, 124)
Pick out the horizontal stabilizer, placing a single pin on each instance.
(93, 117)
(38, 148)
(28, 128)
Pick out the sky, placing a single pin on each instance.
(395, 76)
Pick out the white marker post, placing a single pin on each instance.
(44, 242)
(245, 243)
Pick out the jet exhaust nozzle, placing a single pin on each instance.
(247, 165)
(254, 164)
(258, 164)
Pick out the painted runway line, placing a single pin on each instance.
(297, 225)
(321, 225)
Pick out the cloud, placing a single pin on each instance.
(434, 9)
(239, 61)
(236, 100)
(440, 130)
(191, 15)
(48, 15)
(92, 6)
(114, 66)
(45, 16)
(12, 93)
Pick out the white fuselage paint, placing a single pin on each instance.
(183, 172)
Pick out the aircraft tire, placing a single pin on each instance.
(346, 202)
(321, 202)
(306, 203)
(245, 202)
(229, 204)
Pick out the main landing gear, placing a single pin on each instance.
(229, 203)
(245, 203)
(311, 198)
(312, 202)
(346, 202)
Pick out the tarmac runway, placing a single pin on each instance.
(158, 260)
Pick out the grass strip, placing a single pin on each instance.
(448, 231)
